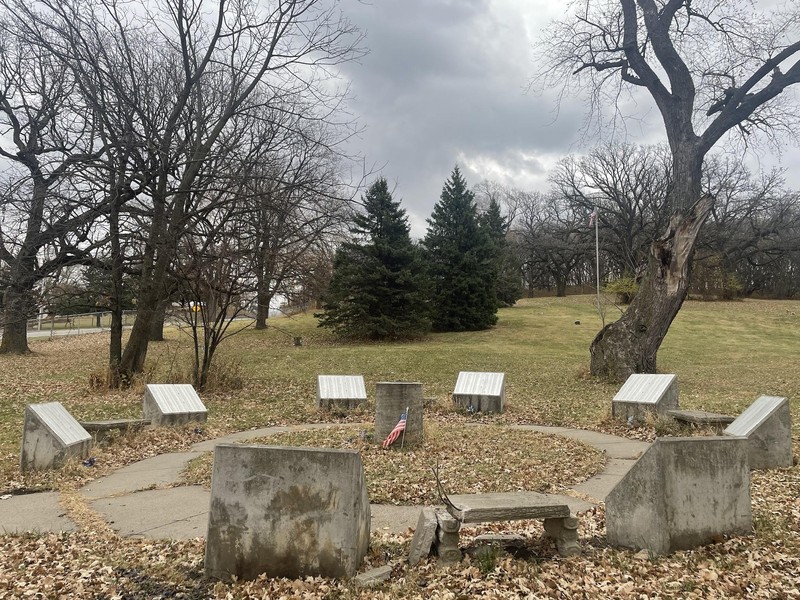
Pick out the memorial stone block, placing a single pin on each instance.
(340, 391)
(645, 393)
(51, 436)
(391, 400)
(286, 512)
(682, 493)
(172, 404)
(767, 425)
(480, 392)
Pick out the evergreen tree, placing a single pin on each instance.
(377, 289)
(506, 276)
(459, 258)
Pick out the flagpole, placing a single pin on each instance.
(597, 264)
(403, 439)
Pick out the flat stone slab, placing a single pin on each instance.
(701, 417)
(34, 512)
(509, 506)
(111, 424)
(424, 536)
(373, 577)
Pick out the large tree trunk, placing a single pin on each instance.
(561, 287)
(157, 326)
(17, 305)
(263, 299)
(630, 344)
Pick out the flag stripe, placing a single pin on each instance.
(395, 433)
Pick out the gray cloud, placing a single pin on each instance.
(446, 81)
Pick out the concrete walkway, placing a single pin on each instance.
(137, 501)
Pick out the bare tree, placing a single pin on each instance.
(212, 277)
(626, 185)
(553, 238)
(712, 68)
(203, 62)
(46, 212)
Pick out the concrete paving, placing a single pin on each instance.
(140, 501)
(33, 512)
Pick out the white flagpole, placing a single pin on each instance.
(597, 264)
(403, 439)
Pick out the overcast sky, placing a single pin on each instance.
(446, 82)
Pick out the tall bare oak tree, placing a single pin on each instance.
(712, 68)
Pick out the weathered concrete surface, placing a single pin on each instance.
(391, 400)
(599, 486)
(160, 470)
(701, 417)
(102, 430)
(340, 391)
(172, 404)
(509, 506)
(682, 493)
(424, 535)
(34, 512)
(645, 393)
(286, 512)
(178, 513)
(767, 425)
(51, 436)
(373, 577)
(480, 392)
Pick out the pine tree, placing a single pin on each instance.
(506, 276)
(377, 289)
(459, 260)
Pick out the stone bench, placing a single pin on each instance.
(701, 417)
(559, 524)
(100, 430)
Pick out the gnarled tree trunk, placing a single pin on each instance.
(630, 344)
(17, 307)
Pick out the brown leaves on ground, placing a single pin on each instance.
(498, 460)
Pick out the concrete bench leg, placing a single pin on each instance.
(565, 533)
(446, 542)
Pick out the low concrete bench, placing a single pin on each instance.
(100, 430)
(701, 417)
(559, 524)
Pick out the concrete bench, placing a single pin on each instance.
(701, 417)
(559, 524)
(100, 430)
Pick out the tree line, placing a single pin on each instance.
(384, 286)
(749, 246)
(177, 151)
(189, 151)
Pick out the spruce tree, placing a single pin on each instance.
(459, 260)
(377, 289)
(506, 274)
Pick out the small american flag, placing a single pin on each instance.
(592, 217)
(395, 433)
